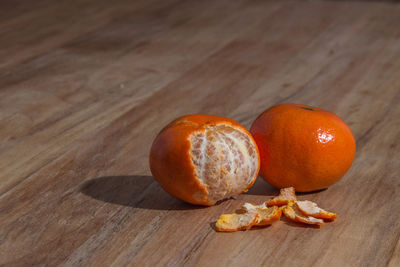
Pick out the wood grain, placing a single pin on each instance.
(86, 85)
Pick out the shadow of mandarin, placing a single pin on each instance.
(262, 188)
(137, 191)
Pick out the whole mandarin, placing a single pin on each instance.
(303, 147)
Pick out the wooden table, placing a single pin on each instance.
(86, 85)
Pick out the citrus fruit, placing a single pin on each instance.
(303, 147)
(202, 159)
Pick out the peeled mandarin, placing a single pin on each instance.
(202, 159)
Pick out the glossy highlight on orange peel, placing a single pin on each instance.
(303, 147)
(202, 159)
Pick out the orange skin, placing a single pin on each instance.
(323, 214)
(170, 160)
(292, 213)
(241, 228)
(276, 216)
(286, 195)
(301, 146)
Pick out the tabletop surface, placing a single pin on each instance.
(86, 86)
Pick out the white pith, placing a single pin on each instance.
(299, 214)
(245, 219)
(225, 160)
(236, 221)
(312, 219)
(248, 207)
(308, 207)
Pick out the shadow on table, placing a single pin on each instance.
(262, 188)
(138, 191)
(141, 191)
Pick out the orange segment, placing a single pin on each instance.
(310, 208)
(235, 222)
(225, 160)
(293, 213)
(286, 195)
(265, 215)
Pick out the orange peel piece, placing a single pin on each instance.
(285, 196)
(293, 213)
(235, 222)
(265, 215)
(310, 208)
